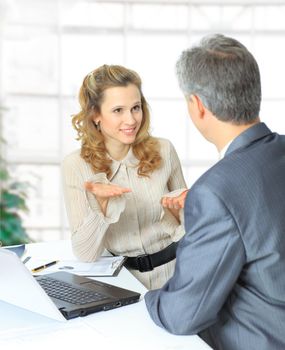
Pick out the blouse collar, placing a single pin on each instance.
(129, 161)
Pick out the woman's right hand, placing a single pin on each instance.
(105, 190)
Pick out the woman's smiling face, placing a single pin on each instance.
(120, 115)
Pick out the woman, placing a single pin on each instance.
(114, 184)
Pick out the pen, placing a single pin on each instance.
(42, 267)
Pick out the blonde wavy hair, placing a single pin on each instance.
(91, 95)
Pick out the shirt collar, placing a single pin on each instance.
(224, 150)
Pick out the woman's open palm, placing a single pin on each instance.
(105, 190)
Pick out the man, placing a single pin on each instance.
(229, 281)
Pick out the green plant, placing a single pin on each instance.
(12, 203)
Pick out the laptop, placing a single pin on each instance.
(60, 295)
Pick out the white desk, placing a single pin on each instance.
(128, 327)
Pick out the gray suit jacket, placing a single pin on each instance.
(229, 281)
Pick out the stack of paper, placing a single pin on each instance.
(104, 266)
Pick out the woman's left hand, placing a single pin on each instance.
(174, 202)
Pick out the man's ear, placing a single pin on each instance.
(198, 105)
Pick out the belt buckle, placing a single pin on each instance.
(144, 263)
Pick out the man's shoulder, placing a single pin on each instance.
(223, 175)
(242, 170)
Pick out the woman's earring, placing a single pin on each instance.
(98, 126)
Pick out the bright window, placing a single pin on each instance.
(48, 46)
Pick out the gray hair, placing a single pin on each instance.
(225, 75)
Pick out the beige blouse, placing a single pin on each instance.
(135, 223)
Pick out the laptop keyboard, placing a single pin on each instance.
(67, 292)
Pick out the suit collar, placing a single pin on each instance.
(250, 135)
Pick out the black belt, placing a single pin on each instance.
(147, 262)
